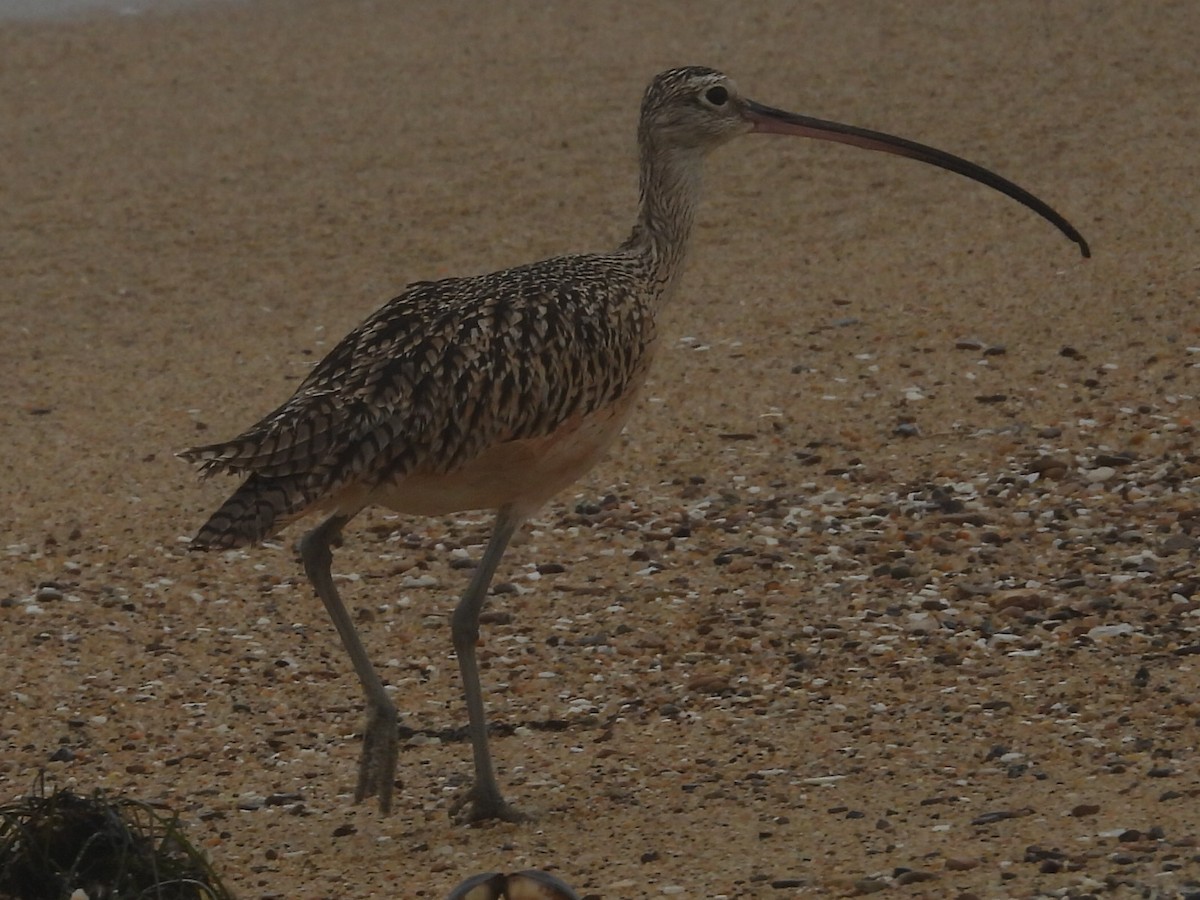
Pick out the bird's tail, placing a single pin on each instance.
(257, 509)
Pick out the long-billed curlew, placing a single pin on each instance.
(497, 391)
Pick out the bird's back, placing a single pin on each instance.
(435, 378)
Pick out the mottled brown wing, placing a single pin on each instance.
(436, 376)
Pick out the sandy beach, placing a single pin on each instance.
(892, 584)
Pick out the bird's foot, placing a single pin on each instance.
(377, 765)
(480, 804)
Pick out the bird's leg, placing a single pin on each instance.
(484, 800)
(377, 765)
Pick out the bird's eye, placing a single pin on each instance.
(717, 96)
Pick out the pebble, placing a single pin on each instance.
(1000, 815)
(1179, 543)
(961, 863)
(708, 683)
(870, 885)
(1107, 631)
(915, 876)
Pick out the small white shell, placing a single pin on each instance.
(531, 884)
(489, 886)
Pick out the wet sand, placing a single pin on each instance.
(891, 584)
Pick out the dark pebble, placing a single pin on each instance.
(870, 885)
(1034, 853)
(999, 815)
(914, 876)
(1179, 543)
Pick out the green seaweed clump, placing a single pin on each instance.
(52, 847)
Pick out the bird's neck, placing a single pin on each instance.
(670, 190)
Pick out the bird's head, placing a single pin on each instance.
(691, 110)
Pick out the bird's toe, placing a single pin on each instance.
(377, 764)
(478, 806)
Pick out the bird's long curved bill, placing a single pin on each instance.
(769, 120)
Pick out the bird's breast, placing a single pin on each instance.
(523, 473)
